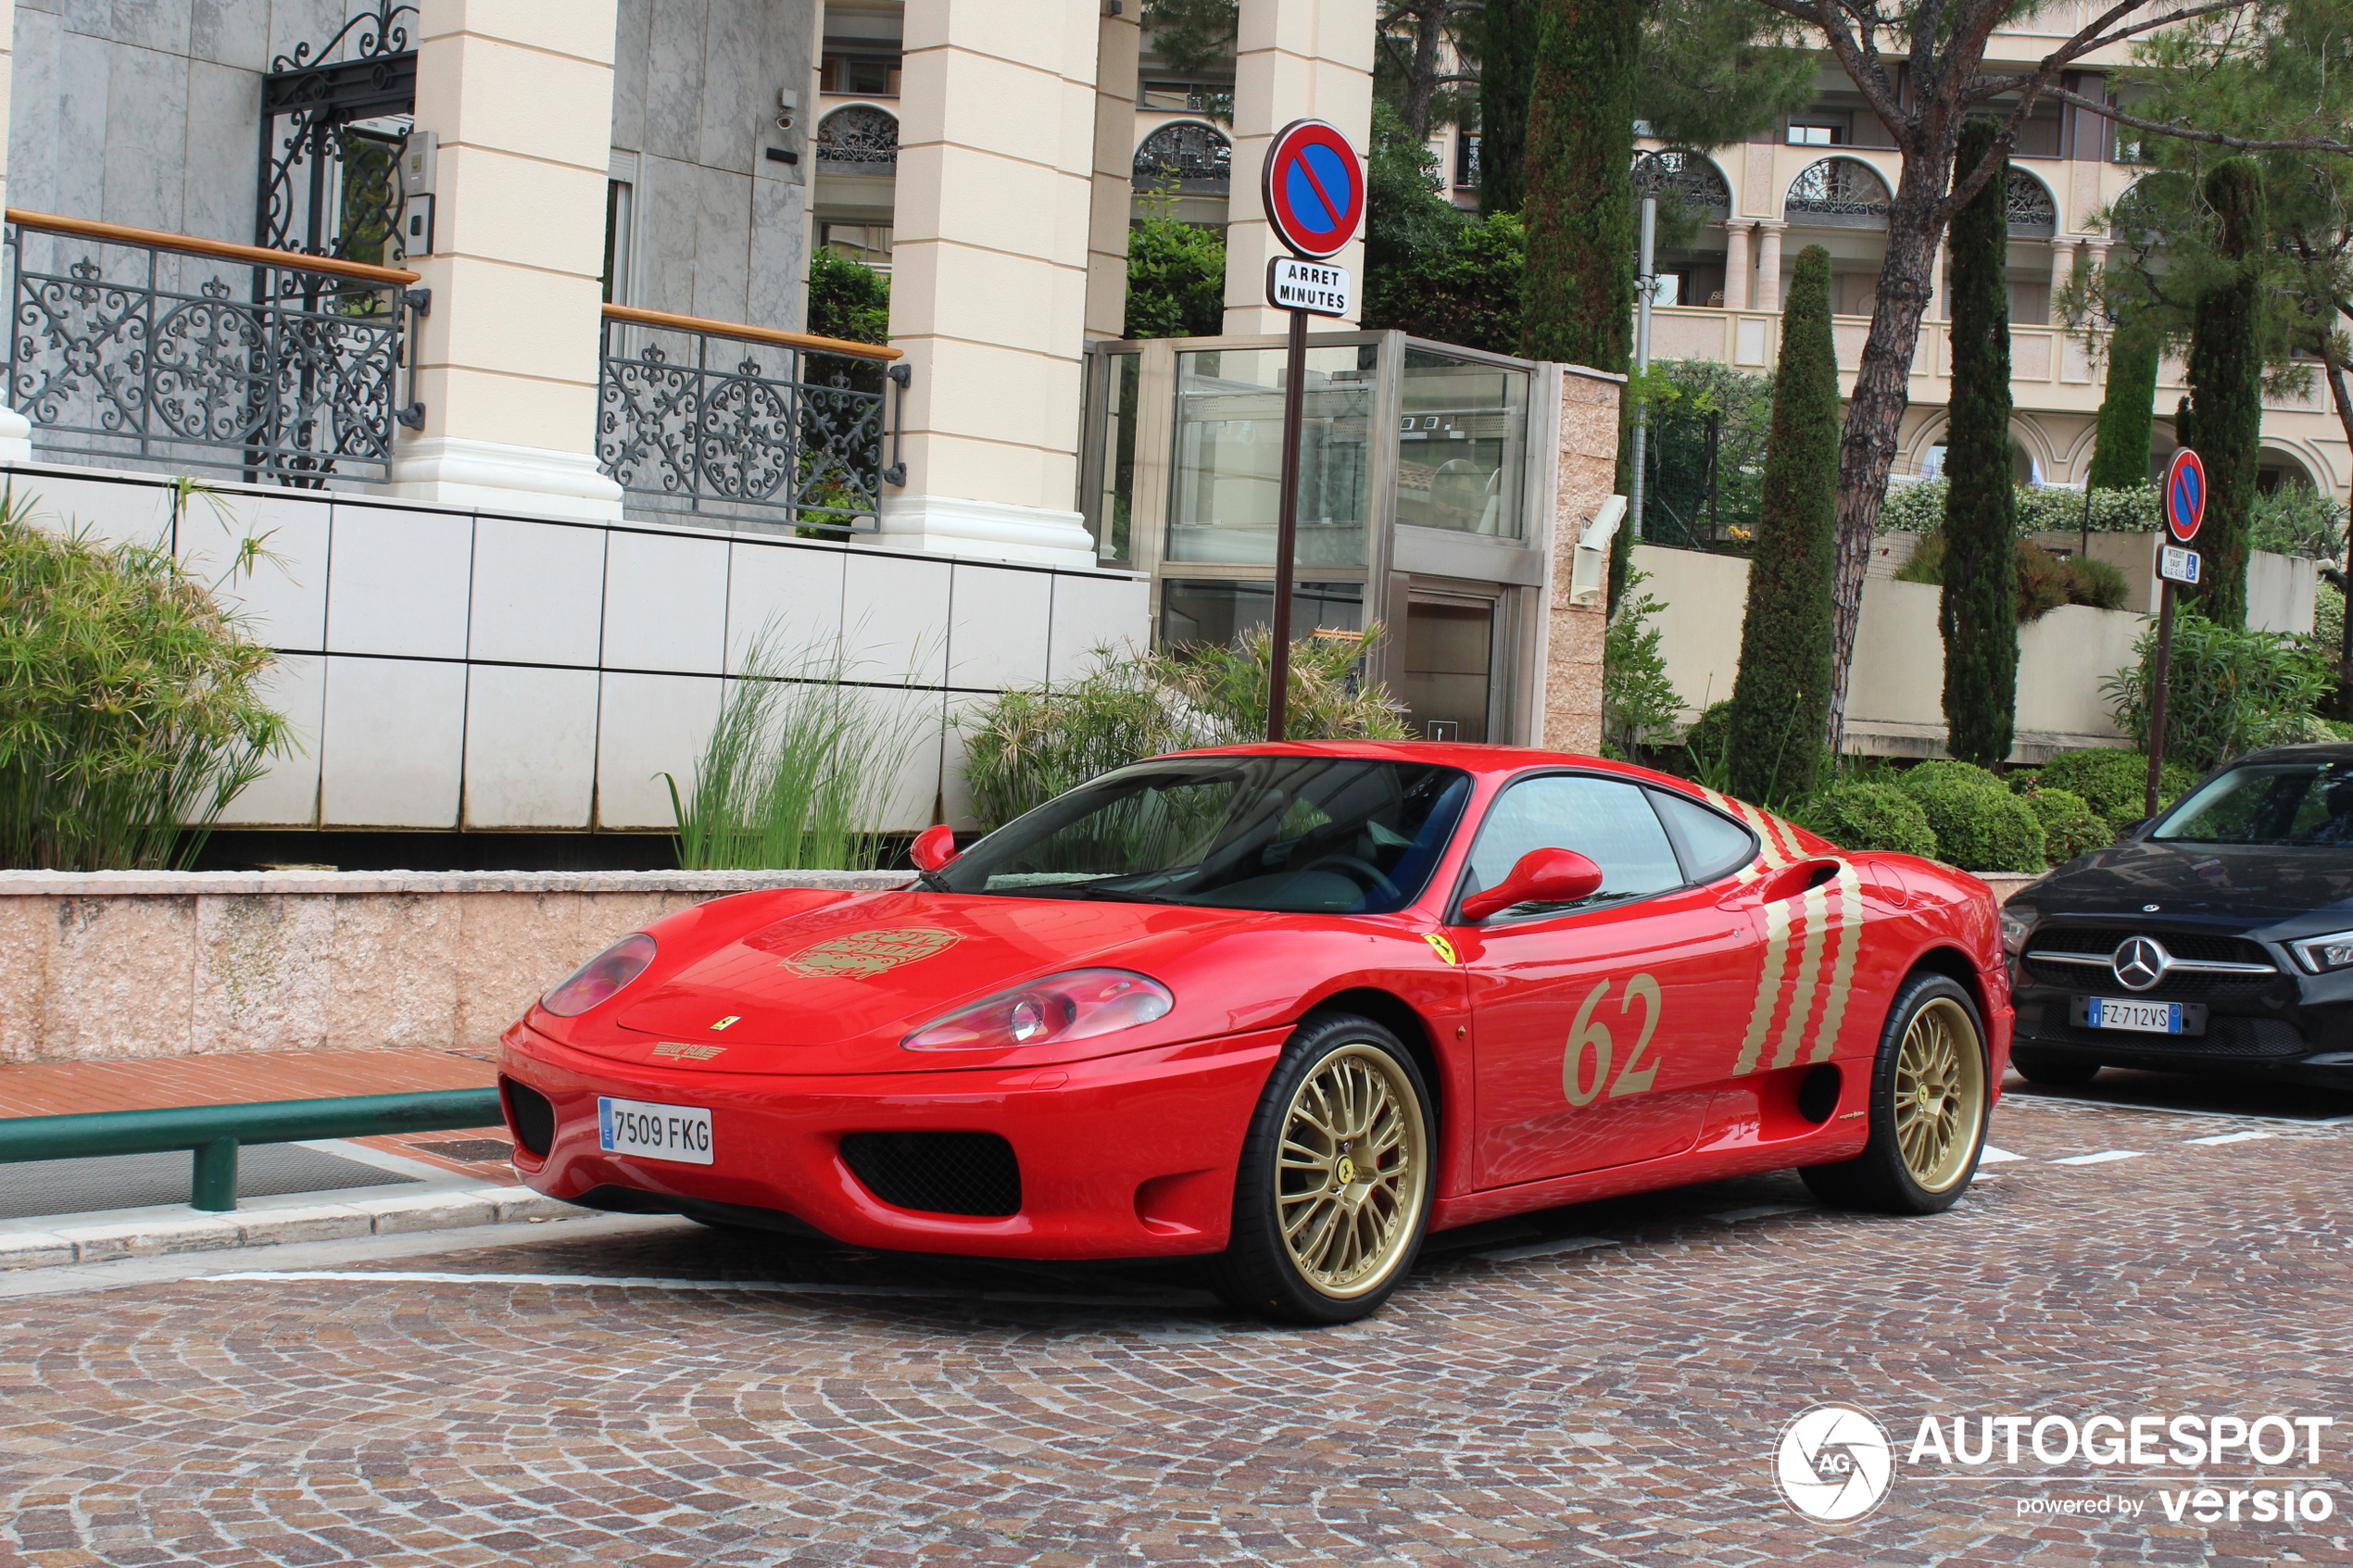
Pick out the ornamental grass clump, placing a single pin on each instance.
(799, 768)
(129, 704)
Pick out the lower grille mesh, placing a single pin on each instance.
(972, 1173)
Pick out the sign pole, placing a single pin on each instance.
(1287, 528)
(2157, 696)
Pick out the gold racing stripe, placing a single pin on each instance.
(1815, 903)
(1842, 980)
(1769, 986)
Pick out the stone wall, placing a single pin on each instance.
(165, 964)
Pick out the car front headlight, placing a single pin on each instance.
(2017, 924)
(2321, 954)
(1077, 1005)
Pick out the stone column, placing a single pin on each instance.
(16, 430)
(522, 99)
(989, 270)
(1575, 634)
(1737, 268)
(1769, 263)
(1117, 44)
(1294, 59)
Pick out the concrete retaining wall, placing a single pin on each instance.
(168, 964)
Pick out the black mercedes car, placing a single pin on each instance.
(2217, 938)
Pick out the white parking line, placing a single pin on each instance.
(2100, 1159)
(2232, 1138)
(1545, 1249)
(1989, 1155)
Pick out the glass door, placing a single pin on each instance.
(1448, 665)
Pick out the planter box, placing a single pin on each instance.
(115, 964)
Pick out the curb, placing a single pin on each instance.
(462, 1209)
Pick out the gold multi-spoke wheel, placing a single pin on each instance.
(1928, 1096)
(1940, 1094)
(1334, 1185)
(1354, 1162)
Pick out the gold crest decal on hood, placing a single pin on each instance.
(862, 953)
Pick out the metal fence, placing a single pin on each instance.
(153, 349)
(730, 422)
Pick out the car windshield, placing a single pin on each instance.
(1326, 834)
(2276, 803)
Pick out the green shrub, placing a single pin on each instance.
(2111, 782)
(847, 299)
(129, 703)
(1175, 273)
(1979, 824)
(2097, 584)
(1638, 703)
(1868, 816)
(2233, 691)
(1918, 506)
(2069, 825)
(2046, 580)
(2295, 520)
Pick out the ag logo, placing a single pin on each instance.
(862, 953)
(1833, 1463)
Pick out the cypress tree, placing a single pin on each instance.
(1578, 296)
(1978, 608)
(2226, 389)
(1781, 696)
(2128, 410)
(1506, 62)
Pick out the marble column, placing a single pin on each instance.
(990, 263)
(1294, 59)
(522, 99)
(1769, 264)
(1737, 274)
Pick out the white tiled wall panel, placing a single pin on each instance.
(391, 750)
(791, 597)
(531, 746)
(997, 627)
(282, 588)
(665, 602)
(895, 617)
(651, 725)
(917, 717)
(287, 796)
(538, 593)
(108, 512)
(398, 582)
(1092, 612)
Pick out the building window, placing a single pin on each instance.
(620, 197)
(2032, 210)
(1678, 171)
(1466, 161)
(1838, 191)
(1212, 98)
(1819, 131)
(1196, 156)
(861, 76)
(859, 139)
(867, 242)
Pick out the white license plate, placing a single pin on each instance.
(654, 1132)
(2149, 1018)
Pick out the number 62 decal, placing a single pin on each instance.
(1590, 1037)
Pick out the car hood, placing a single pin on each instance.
(835, 988)
(2244, 886)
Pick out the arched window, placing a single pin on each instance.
(1678, 169)
(859, 139)
(1838, 191)
(1196, 155)
(2032, 210)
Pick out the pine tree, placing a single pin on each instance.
(2128, 410)
(1978, 609)
(1579, 295)
(1506, 63)
(2226, 388)
(1783, 693)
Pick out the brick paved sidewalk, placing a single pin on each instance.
(56, 1089)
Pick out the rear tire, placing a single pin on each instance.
(2058, 1073)
(1333, 1190)
(1931, 1093)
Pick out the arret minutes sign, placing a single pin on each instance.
(1318, 287)
(1313, 186)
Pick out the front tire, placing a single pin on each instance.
(1333, 1191)
(1931, 1093)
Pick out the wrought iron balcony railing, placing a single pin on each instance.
(721, 420)
(157, 349)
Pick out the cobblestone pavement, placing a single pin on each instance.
(1615, 1402)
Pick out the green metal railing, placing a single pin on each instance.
(215, 1132)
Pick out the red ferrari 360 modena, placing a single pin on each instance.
(1290, 1007)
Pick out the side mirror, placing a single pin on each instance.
(933, 848)
(1542, 876)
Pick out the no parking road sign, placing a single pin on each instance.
(1314, 185)
(2185, 496)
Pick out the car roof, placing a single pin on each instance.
(2317, 751)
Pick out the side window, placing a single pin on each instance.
(1713, 846)
(1608, 821)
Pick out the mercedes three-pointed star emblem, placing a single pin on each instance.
(2140, 962)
